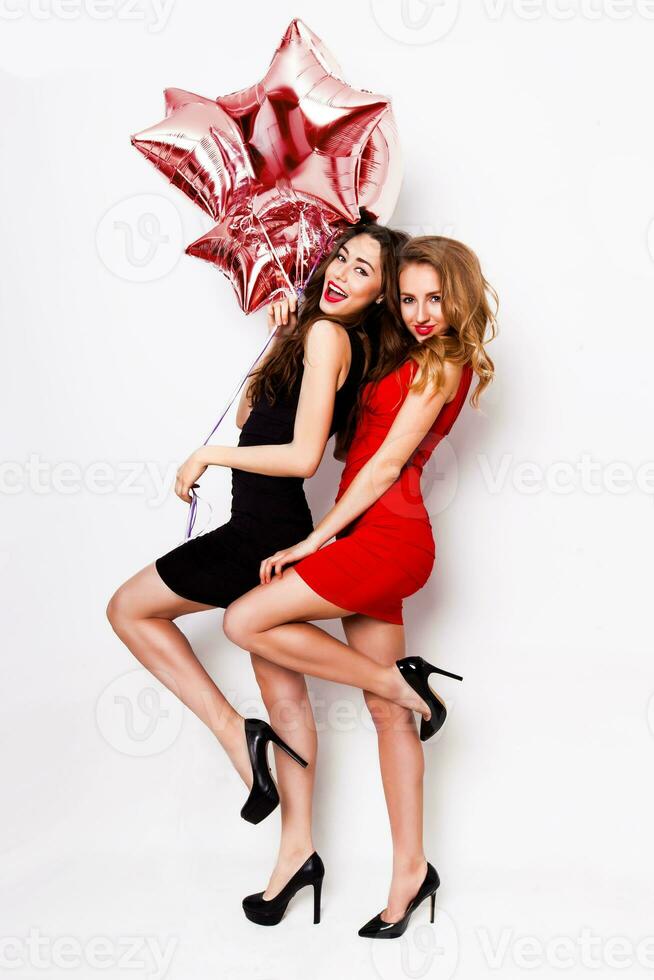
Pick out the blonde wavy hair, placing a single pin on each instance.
(469, 304)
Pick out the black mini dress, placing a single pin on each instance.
(268, 513)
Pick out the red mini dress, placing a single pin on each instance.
(388, 552)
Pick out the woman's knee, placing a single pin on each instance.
(118, 608)
(237, 625)
(128, 604)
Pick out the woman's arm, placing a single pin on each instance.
(412, 423)
(325, 348)
(301, 457)
(410, 426)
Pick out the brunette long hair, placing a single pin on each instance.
(378, 326)
(469, 304)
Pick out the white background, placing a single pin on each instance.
(526, 133)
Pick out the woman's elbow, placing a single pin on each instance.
(304, 460)
(309, 467)
(389, 472)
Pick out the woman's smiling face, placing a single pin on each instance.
(353, 279)
(420, 300)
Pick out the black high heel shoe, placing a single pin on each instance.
(378, 928)
(269, 912)
(263, 796)
(415, 672)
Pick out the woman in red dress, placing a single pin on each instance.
(384, 551)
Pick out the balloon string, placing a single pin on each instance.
(326, 241)
(194, 502)
(301, 250)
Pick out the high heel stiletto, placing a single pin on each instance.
(415, 672)
(269, 912)
(378, 928)
(263, 796)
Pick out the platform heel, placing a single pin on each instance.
(270, 912)
(264, 796)
(415, 672)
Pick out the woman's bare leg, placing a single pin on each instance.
(271, 621)
(286, 698)
(141, 613)
(401, 761)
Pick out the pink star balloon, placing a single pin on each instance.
(280, 165)
(267, 253)
(199, 148)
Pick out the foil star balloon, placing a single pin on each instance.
(199, 148)
(300, 146)
(306, 129)
(267, 253)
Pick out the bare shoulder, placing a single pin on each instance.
(451, 377)
(327, 328)
(326, 334)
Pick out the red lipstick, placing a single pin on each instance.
(334, 293)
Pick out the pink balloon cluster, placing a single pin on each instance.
(280, 166)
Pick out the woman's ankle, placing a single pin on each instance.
(409, 864)
(294, 851)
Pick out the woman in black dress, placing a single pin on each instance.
(303, 392)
